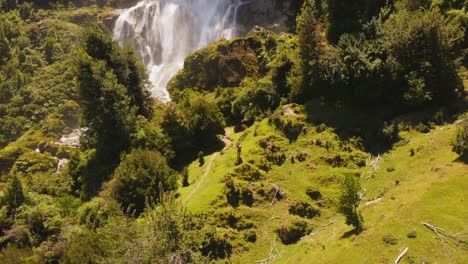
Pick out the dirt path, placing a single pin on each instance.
(205, 174)
(227, 143)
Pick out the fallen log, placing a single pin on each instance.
(401, 255)
(322, 228)
(434, 229)
(271, 256)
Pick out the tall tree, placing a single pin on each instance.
(111, 86)
(349, 202)
(14, 196)
(311, 43)
(141, 177)
(344, 16)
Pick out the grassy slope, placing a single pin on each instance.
(432, 188)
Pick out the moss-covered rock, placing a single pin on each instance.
(226, 63)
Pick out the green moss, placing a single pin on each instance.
(225, 63)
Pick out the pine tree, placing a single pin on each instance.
(309, 30)
(344, 16)
(14, 196)
(349, 202)
(4, 46)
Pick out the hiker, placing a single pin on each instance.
(239, 150)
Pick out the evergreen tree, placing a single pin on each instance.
(311, 43)
(349, 202)
(344, 16)
(111, 86)
(14, 196)
(4, 46)
(141, 177)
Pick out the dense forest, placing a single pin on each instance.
(331, 142)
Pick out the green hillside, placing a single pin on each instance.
(431, 188)
(342, 141)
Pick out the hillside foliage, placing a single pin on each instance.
(355, 117)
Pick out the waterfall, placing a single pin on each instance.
(164, 32)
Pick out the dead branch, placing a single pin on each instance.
(401, 255)
(271, 255)
(277, 191)
(434, 229)
(374, 201)
(455, 238)
(274, 217)
(322, 228)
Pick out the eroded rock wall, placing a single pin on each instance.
(270, 14)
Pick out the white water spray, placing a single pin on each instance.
(164, 32)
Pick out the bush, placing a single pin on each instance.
(96, 213)
(250, 236)
(247, 196)
(412, 234)
(201, 158)
(33, 162)
(216, 246)
(390, 239)
(256, 100)
(460, 144)
(248, 172)
(422, 49)
(313, 193)
(232, 192)
(304, 209)
(422, 128)
(141, 178)
(293, 232)
(390, 133)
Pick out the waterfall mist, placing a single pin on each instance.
(164, 32)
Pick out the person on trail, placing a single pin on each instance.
(239, 150)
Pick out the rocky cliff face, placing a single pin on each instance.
(270, 14)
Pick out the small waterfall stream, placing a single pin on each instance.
(164, 32)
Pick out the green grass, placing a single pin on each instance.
(432, 188)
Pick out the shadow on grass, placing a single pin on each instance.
(186, 154)
(351, 232)
(348, 122)
(463, 158)
(368, 123)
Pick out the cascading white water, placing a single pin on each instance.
(164, 32)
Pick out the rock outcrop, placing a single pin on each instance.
(270, 14)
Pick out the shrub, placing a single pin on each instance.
(460, 144)
(247, 196)
(43, 219)
(313, 193)
(255, 101)
(215, 246)
(140, 178)
(13, 197)
(293, 232)
(304, 209)
(96, 213)
(390, 239)
(201, 158)
(422, 49)
(33, 162)
(248, 172)
(250, 236)
(390, 133)
(412, 234)
(185, 177)
(232, 192)
(422, 128)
